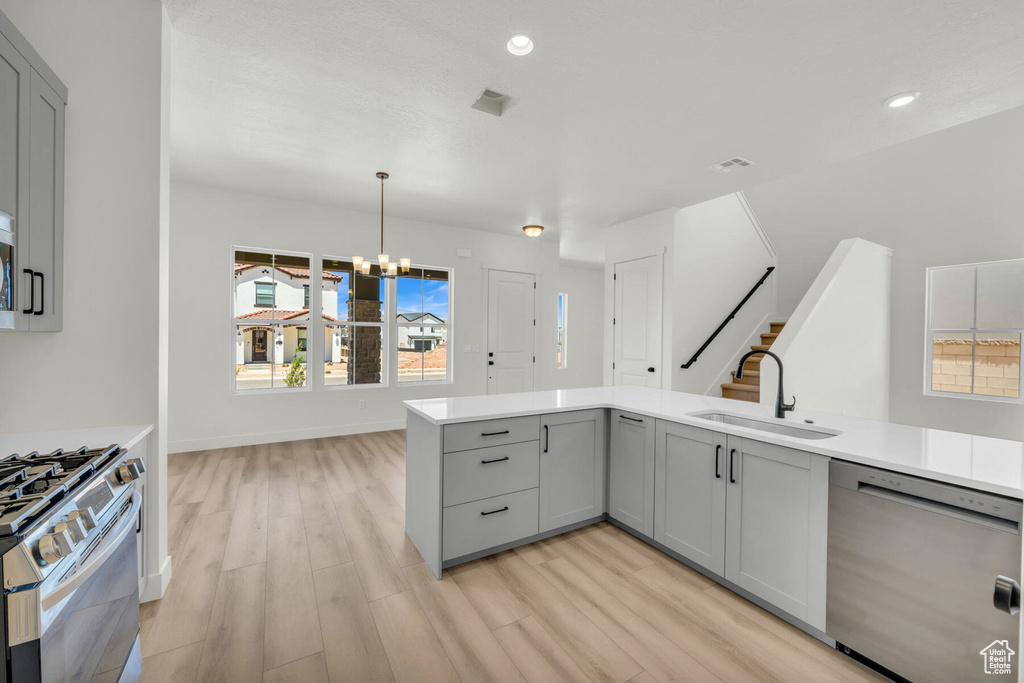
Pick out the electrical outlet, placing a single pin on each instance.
(362, 403)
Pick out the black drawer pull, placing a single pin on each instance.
(631, 419)
(494, 511)
(488, 462)
(493, 433)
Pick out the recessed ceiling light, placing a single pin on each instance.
(533, 230)
(901, 100)
(519, 45)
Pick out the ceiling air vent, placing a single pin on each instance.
(730, 165)
(493, 103)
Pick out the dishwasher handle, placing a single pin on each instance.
(941, 508)
(1006, 595)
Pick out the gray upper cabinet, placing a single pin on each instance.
(631, 471)
(690, 489)
(572, 468)
(777, 526)
(32, 103)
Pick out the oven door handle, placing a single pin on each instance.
(125, 526)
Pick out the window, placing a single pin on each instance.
(563, 300)
(268, 320)
(305, 297)
(264, 293)
(423, 305)
(354, 333)
(975, 322)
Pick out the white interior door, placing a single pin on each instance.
(511, 323)
(637, 322)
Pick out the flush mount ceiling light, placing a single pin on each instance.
(533, 230)
(519, 45)
(901, 100)
(388, 268)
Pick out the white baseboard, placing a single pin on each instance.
(251, 439)
(156, 584)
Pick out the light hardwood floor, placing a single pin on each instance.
(291, 564)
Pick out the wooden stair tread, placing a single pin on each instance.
(760, 347)
(751, 388)
(769, 336)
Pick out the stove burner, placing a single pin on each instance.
(31, 484)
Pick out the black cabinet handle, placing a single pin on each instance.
(493, 433)
(718, 452)
(545, 438)
(42, 294)
(494, 511)
(490, 362)
(488, 462)
(650, 369)
(631, 419)
(32, 292)
(732, 466)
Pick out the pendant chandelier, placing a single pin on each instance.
(388, 268)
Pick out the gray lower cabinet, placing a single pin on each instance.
(631, 470)
(487, 523)
(689, 495)
(776, 519)
(572, 468)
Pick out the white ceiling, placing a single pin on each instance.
(618, 111)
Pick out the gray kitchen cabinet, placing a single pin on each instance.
(689, 494)
(631, 471)
(572, 468)
(32, 103)
(776, 526)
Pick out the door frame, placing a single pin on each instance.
(663, 361)
(487, 318)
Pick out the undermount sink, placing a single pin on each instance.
(773, 426)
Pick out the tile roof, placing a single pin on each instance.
(299, 273)
(416, 317)
(268, 314)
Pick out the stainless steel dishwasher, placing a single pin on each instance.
(922, 576)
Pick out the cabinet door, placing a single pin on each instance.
(15, 83)
(46, 205)
(631, 471)
(689, 493)
(572, 468)
(777, 526)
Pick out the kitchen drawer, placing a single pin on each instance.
(485, 472)
(466, 529)
(468, 435)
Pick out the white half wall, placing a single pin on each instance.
(205, 224)
(835, 346)
(720, 253)
(584, 327)
(947, 198)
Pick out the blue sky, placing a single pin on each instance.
(414, 295)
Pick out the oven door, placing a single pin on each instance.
(91, 614)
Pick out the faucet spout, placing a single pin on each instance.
(781, 407)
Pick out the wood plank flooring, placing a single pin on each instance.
(291, 565)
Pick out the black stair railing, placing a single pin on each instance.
(725, 322)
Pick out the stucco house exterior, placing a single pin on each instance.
(427, 337)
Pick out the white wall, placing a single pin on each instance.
(102, 369)
(946, 198)
(720, 253)
(206, 222)
(584, 327)
(835, 346)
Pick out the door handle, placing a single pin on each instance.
(1006, 595)
(42, 294)
(732, 466)
(32, 292)
(490, 362)
(718, 452)
(650, 369)
(545, 438)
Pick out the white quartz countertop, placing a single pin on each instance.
(68, 439)
(979, 462)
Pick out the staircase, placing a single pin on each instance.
(748, 387)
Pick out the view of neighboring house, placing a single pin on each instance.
(281, 295)
(427, 337)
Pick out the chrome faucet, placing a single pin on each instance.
(781, 407)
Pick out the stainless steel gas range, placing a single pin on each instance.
(69, 566)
